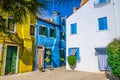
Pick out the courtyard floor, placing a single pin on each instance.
(56, 74)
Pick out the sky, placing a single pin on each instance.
(64, 9)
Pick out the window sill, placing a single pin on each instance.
(73, 34)
(43, 35)
(52, 37)
(103, 30)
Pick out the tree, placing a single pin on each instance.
(18, 9)
(113, 51)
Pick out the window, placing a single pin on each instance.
(74, 28)
(102, 58)
(43, 31)
(32, 30)
(52, 32)
(74, 51)
(102, 23)
(62, 35)
(102, 1)
(11, 25)
(2, 21)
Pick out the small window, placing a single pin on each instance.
(74, 51)
(74, 28)
(43, 31)
(32, 30)
(52, 32)
(11, 25)
(102, 23)
(62, 35)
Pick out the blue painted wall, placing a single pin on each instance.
(55, 44)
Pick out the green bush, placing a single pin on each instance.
(72, 60)
(62, 59)
(47, 60)
(113, 51)
(40, 68)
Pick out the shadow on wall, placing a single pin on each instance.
(54, 64)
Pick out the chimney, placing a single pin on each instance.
(75, 9)
(57, 18)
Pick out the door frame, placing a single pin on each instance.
(37, 53)
(16, 71)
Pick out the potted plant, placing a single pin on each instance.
(41, 68)
(47, 60)
(62, 61)
(72, 61)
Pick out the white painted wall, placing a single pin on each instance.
(89, 37)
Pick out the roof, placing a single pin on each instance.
(46, 20)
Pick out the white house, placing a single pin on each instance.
(88, 32)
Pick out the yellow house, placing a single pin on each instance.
(17, 45)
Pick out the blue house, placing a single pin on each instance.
(50, 42)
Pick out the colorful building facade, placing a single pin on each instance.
(50, 42)
(16, 45)
(88, 32)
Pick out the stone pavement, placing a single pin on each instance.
(56, 74)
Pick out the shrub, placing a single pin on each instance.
(62, 59)
(113, 51)
(72, 60)
(40, 68)
(47, 60)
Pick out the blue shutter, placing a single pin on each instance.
(100, 24)
(77, 54)
(73, 28)
(102, 1)
(69, 50)
(105, 23)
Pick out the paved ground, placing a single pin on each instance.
(56, 74)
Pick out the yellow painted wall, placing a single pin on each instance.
(26, 51)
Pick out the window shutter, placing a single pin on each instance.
(72, 29)
(69, 50)
(102, 1)
(105, 22)
(75, 28)
(100, 24)
(77, 54)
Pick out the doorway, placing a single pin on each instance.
(11, 59)
(40, 56)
